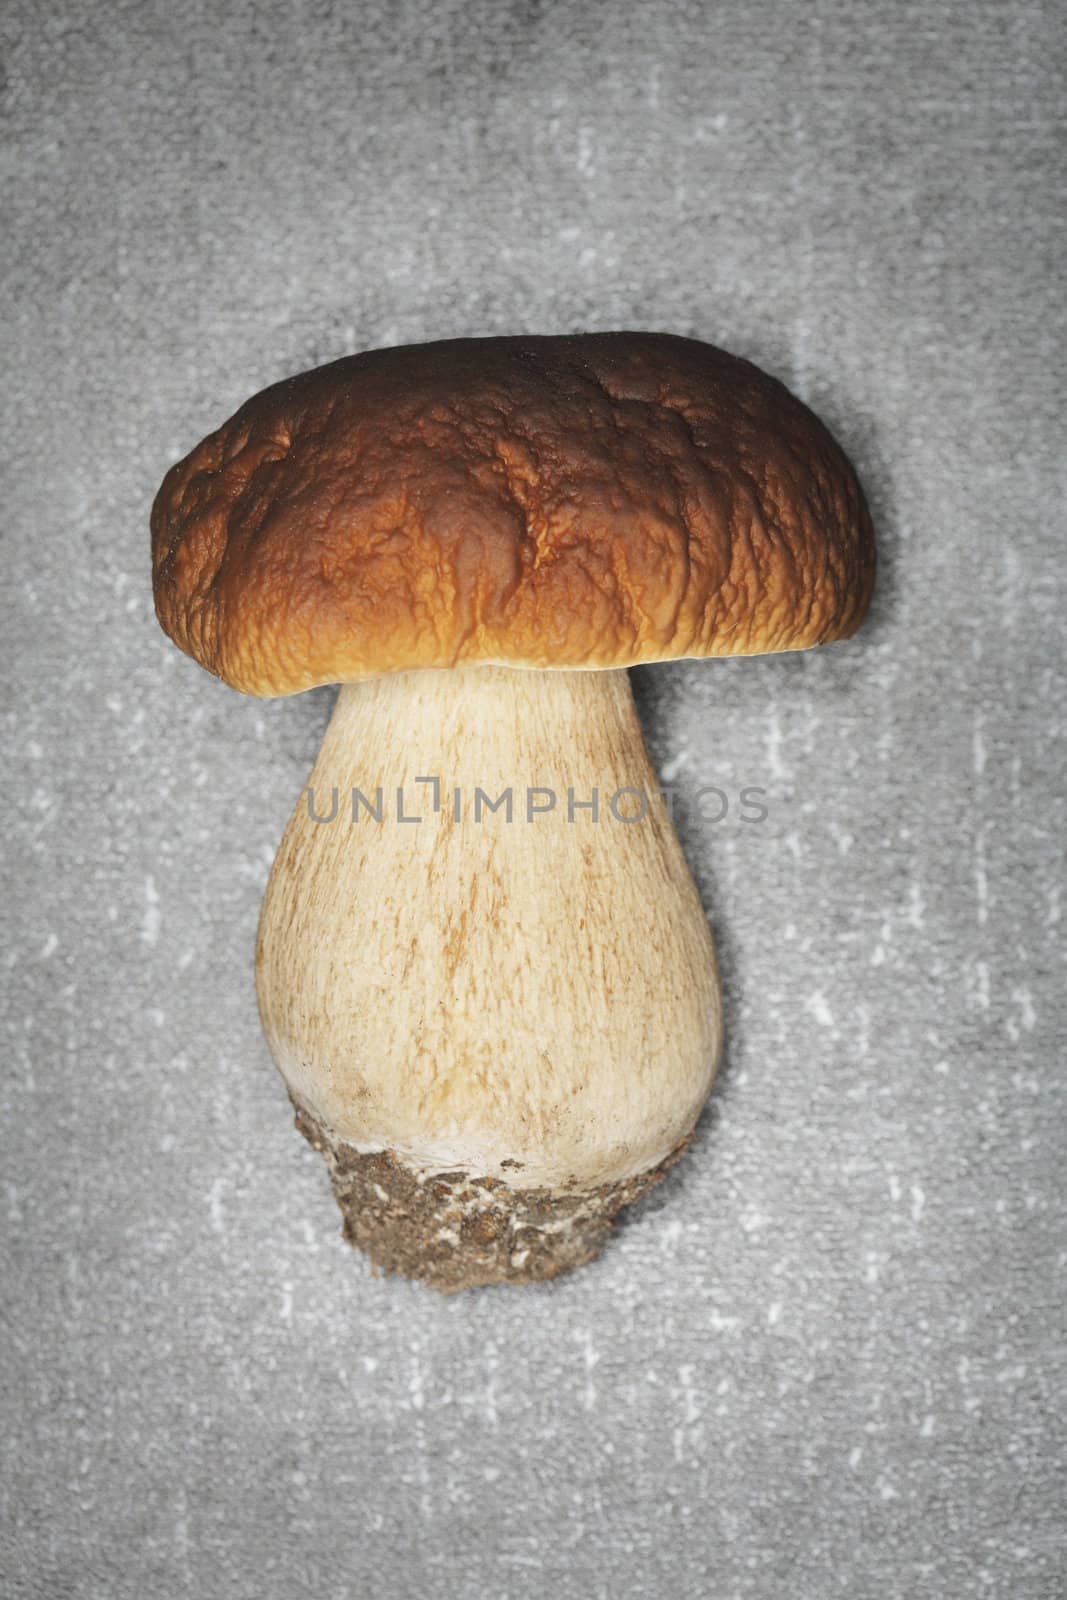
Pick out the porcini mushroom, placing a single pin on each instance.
(498, 1022)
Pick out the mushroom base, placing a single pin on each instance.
(455, 1230)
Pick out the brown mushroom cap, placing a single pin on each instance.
(597, 500)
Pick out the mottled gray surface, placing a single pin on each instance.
(827, 1357)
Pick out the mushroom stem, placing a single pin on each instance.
(497, 1024)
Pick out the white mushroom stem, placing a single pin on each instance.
(526, 994)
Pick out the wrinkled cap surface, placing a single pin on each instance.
(597, 500)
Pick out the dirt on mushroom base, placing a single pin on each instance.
(456, 1231)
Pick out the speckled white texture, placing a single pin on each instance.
(828, 1356)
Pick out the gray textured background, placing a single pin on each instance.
(829, 1355)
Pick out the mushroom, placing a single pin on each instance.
(483, 968)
